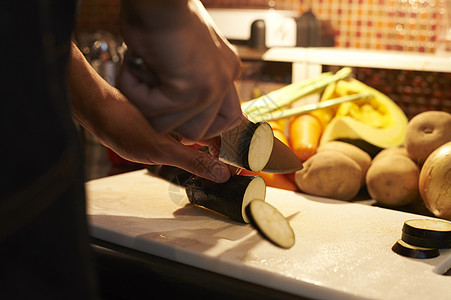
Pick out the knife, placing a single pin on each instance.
(282, 160)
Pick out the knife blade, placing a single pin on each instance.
(282, 160)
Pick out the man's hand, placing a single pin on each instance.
(120, 126)
(192, 92)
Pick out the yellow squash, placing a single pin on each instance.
(376, 120)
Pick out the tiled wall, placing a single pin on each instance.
(278, 4)
(407, 25)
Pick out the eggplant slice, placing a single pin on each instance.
(405, 249)
(230, 198)
(428, 233)
(270, 223)
(248, 146)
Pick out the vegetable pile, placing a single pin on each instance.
(357, 139)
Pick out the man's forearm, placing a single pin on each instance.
(97, 106)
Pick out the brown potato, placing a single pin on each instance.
(426, 132)
(391, 151)
(330, 174)
(362, 158)
(393, 180)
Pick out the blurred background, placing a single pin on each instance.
(402, 26)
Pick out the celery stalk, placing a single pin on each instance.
(287, 95)
(273, 98)
(291, 112)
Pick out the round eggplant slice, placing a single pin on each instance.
(405, 249)
(427, 233)
(260, 147)
(270, 223)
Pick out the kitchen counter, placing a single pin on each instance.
(351, 57)
(308, 62)
(342, 250)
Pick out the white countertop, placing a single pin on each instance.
(342, 250)
(352, 57)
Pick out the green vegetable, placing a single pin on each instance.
(295, 111)
(276, 100)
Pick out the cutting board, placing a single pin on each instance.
(342, 250)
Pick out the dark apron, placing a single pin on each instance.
(44, 249)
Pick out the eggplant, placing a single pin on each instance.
(229, 198)
(270, 223)
(427, 233)
(405, 249)
(248, 146)
(242, 198)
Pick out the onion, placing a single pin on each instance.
(435, 182)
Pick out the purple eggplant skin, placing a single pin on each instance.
(224, 198)
(420, 253)
(424, 237)
(426, 242)
(235, 144)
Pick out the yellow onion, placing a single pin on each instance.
(435, 182)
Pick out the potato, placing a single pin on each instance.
(426, 132)
(330, 174)
(435, 182)
(391, 151)
(362, 158)
(393, 180)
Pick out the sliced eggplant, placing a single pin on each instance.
(248, 146)
(405, 249)
(270, 223)
(427, 233)
(230, 198)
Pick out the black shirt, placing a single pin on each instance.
(44, 250)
